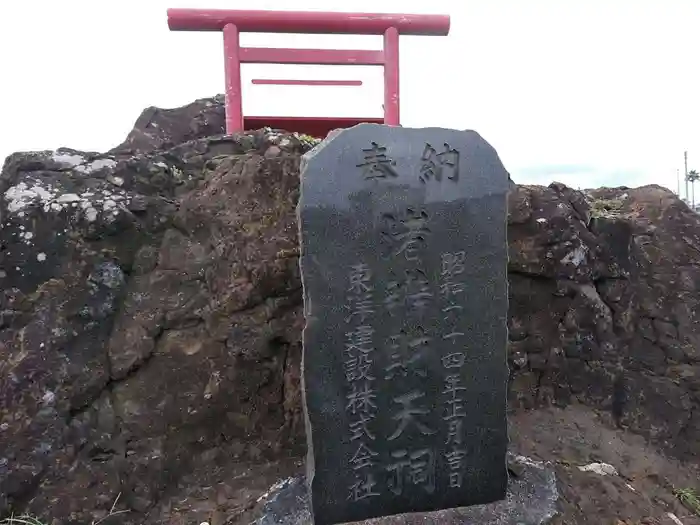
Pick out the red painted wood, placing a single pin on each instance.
(232, 70)
(286, 82)
(233, 22)
(335, 57)
(391, 77)
(306, 22)
(315, 126)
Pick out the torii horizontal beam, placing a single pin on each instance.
(234, 22)
(306, 22)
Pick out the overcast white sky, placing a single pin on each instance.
(587, 92)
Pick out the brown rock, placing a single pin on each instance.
(150, 331)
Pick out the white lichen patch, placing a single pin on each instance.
(22, 195)
(91, 214)
(68, 160)
(602, 469)
(67, 198)
(81, 164)
(96, 165)
(576, 256)
(177, 173)
(89, 203)
(41, 257)
(117, 181)
(529, 462)
(48, 397)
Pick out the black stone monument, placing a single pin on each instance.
(404, 267)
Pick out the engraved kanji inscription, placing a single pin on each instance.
(453, 335)
(409, 231)
(452, 264)
(455, 401)
(414, 468)
(363, 457)
(450, 289)
(406, 350)
(409, 414)
(363, 488)
(454, 431)
(411, 292)
(360, 279)
(410, 340)
(361, 395)
(454, 407)
(453, 309)
(454, 360)
(361, 308)
(359, 428)
(358, 348)
(359, 339)
(360, 300)
(440, 164)
(361, 398)
(358, 367)
(405, 318)
(401, 366)
(376, 163)
(455, 464)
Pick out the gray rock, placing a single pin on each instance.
(531, 500)
(404, 267)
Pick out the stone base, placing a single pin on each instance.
(531, 500)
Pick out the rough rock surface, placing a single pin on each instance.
(158, 128)
(150, 324)
(150, 311)
(604, 307)
(531, 500)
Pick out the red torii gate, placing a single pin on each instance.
(234, 22)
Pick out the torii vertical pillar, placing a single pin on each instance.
(232, 69)
(233, 22)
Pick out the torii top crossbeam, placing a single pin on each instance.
(234, 22)
(306, 22)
